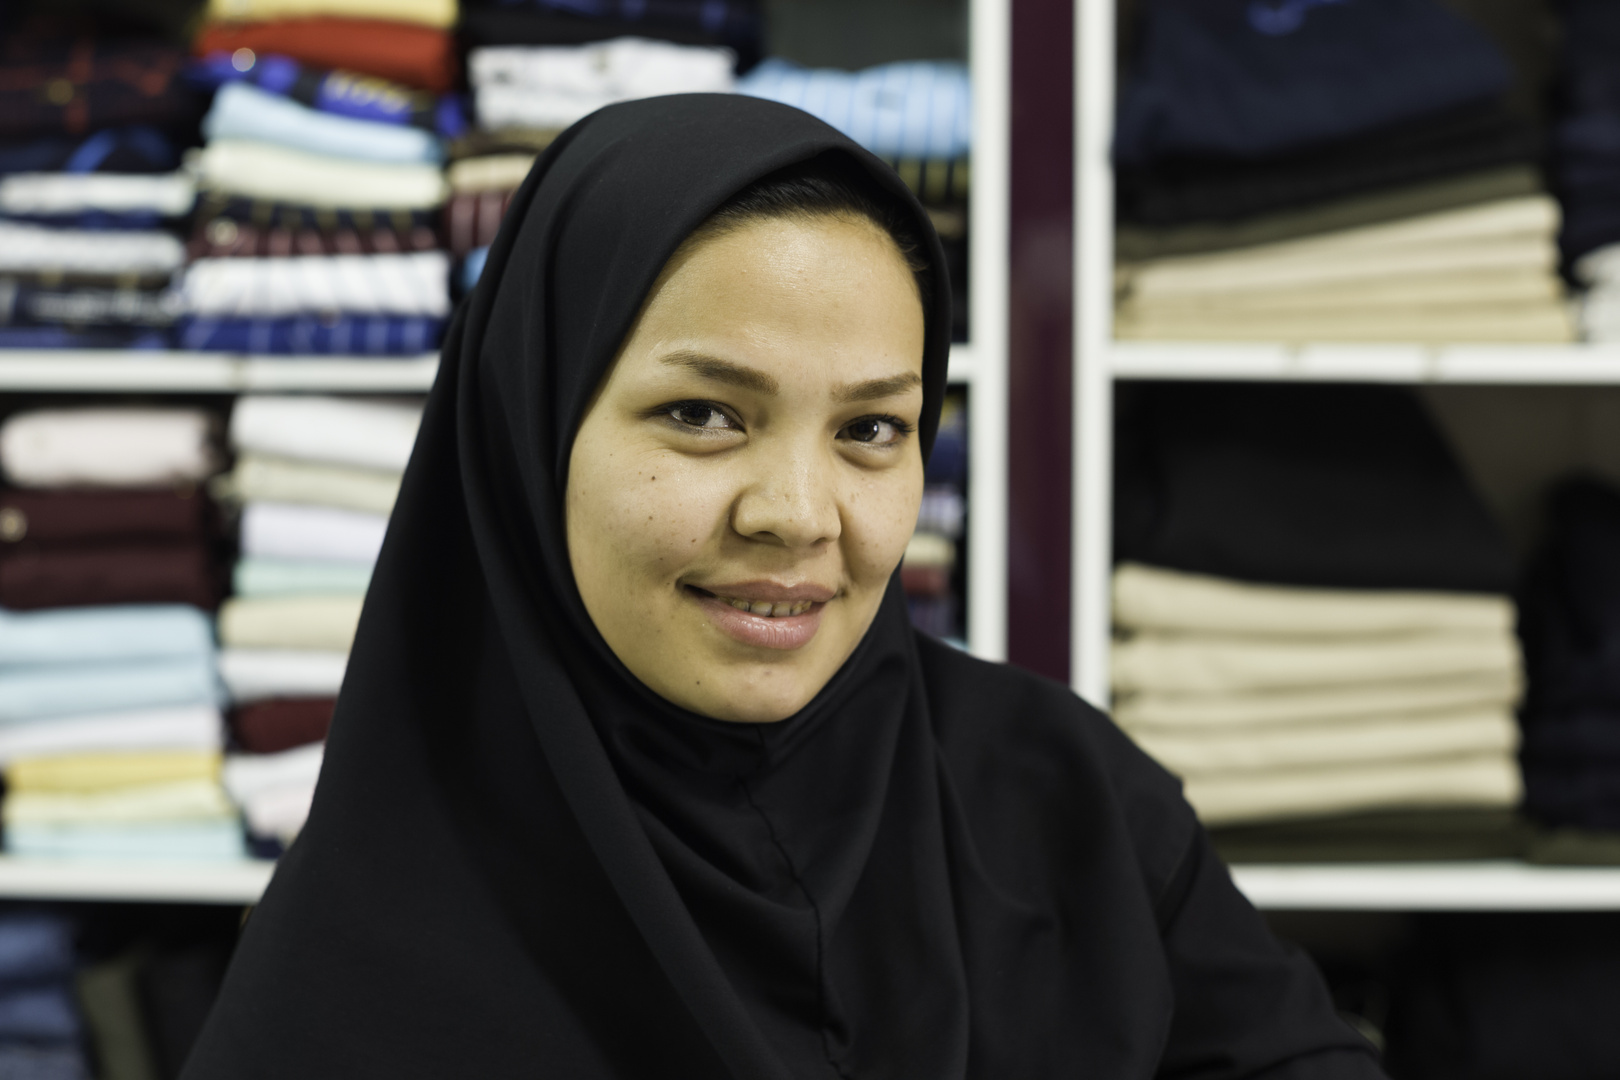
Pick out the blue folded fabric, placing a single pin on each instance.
(74, 690)
(921, 108)
(72, 337)
(131, 149)
(35, 947)
(473, 268)
(104, 634)
(315, 335)
(43, 1063)
(43, 1013)
(210, 841)
(244, 111)
(340, 93)
(1252, 78)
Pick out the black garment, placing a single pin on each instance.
(522, 862)
(734, 23)
(1330, 486)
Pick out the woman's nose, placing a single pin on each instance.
(789, 500)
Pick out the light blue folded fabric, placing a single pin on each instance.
(80, 690)
(243, 111)
(93, 635)
(203, 841)
(301, 577)
(920, 108)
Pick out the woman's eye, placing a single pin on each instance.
(877, 430)
(700, 414)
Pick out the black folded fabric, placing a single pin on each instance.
(25, 303)
(1410, 836)
(734, 24)
(1313, 485)
(124, 150)
(1586, 796)
(75, 86)
(1570, 607)
(1585, 738)
(1587, 159)
(1177, 191)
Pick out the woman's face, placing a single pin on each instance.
(744, 482)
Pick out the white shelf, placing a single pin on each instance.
(1498, 364)
(189, 883)
(1463, 886)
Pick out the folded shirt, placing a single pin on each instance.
(339, 431)
(261, 478)
(339, 93)
(202, 841)
(274, 790)
(41, 1014)
(34, 576)
(1189, 664)
(1481, 781)
(78, 517)
(247, 112)
(183, 727)
(436, 13)
(1399, 295)
(97, 772)
(300, 577)
(1153, 598)
(100, 82)
(103, 635)
(36, 946)
(1286, 708)
(412, 54)
(473, 218)
(406, 284)
(28, 694)
(53, 194)
(552, 86)
(126, 446)
(269, 727)
(289, 622)
(908, 109)
(292, 531)
(491, 172)
(176, 801)
(313, 335)
(26, 248)
(261, 170)
(26, 304)
(260, 674)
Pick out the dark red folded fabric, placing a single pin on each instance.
(41, 577)
(471, 219)
(77, 517)
(269, 727)
(417, 56)
(224, 237)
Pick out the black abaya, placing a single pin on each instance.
(521, 862)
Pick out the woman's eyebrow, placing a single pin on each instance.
(725, 371)
(873, 389)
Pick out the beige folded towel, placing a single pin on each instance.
(289, 622)
(185, 800)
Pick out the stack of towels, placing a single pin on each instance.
(316, 232)
(41, 1031)
(1586, 156)
(89, 195)
(1312, 606)
(316, 479)
(929, 571)
(1329, 172)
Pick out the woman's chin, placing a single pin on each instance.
(754, 698)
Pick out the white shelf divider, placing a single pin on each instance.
(186, 883)
(1525, 365)
(1462, 886)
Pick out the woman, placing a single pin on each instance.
(583, 815)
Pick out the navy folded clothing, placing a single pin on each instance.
(314, 335)
(1579, 738)
(43, 1063)
(35, 947)
(1252, 78)
(63, 337)
(24, 303)
(136, 149)
(1326, 486)
(1585, 796)
(44, 1013)
(1570, 608)
(733, 23)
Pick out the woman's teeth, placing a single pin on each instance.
(774, 611)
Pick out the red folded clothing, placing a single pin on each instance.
(52, 517)
(417, 56)
(268, 727)
(471, 219)
(42, 577)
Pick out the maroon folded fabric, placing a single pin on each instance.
(222, 237)
(269, 727)
(57, 576)
(471, 219)
(78, 517)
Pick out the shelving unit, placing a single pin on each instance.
(1476, 886)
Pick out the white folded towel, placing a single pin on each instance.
(108, 446)
(289, 531)
(258, 674)
(339, 431)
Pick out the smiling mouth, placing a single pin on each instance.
(763, 608)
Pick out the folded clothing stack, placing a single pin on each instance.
(1329, 172)
(41, 1030)
(89, 195)
(316, 478)
(106, 506)
(1586, 161)
(931, 570)
(1572, 649)
(315, 234)
(1312, 605)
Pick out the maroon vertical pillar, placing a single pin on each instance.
(1039, 347)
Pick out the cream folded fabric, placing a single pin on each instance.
(437, 13)
(1188, 664)
(1487, 781)
(101, 771)
(184, 800)
(164, 194)
(1310, 705)
(183, 727)
(259, 674)
(289, 622)
(259, 478)
(1395, 294)
(1215, 752)
(339, 431)
(416, 283)
(258, 170)
(292, 531)
(300, 577)
(1153, 598)
(1545, 322)
(111, 446)
(493, 172)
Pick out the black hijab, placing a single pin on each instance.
(521, 862)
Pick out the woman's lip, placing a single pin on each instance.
(784, 632)
(769, 592)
